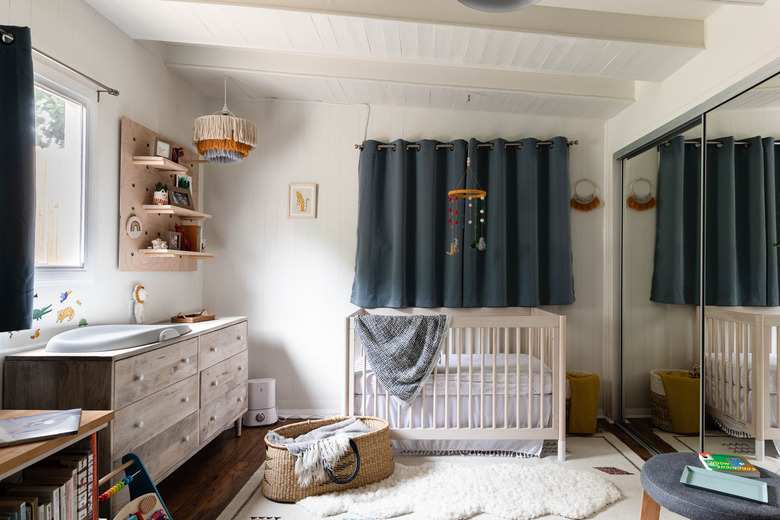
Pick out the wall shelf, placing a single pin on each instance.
(167, 209)
(160, 163)
(139, 172)
(172, 253)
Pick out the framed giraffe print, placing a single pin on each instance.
(302, 201)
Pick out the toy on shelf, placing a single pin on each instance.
(145, 501)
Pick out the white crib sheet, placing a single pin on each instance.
(474, 378)
(481, 416)
(715, 359)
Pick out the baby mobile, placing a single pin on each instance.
(467, 207)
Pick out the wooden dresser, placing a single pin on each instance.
(170, 398)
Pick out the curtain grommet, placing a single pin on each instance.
(7, 37)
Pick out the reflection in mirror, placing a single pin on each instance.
(659, 318)
(742, 287)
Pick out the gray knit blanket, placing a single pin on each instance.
(402, 350)
(320, 448)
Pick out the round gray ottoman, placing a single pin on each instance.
(661, 481)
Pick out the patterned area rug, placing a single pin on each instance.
(716, 441)
(601, 454)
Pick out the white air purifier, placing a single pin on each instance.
(262, 402)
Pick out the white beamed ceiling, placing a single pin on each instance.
(550, 59)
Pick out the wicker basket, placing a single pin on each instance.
(659, 408)
(375, 462)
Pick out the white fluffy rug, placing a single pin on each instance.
(600, 456)
(452, 490)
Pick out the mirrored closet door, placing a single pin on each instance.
(742, 295)
(661, 258)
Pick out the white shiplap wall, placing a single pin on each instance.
(74, 33)
(293, 277)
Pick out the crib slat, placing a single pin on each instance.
(518, 350)
(505, 423)
(475, 337)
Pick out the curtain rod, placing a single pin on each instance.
(480, 145)
(715, 142)
(105, 88)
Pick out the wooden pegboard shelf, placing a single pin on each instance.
(160, 163)
(172, 253)
(167, 209)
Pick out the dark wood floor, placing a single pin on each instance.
(204, 486)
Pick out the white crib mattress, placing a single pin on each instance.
(716, 360)
(505, 366)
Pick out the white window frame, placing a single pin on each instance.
(79, 92)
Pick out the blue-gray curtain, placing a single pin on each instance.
(676, 266)
(741, 223)
(17, 178)
(403, 233)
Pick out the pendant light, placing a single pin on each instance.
(222, 137)
(498, 6)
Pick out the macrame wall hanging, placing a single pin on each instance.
(644, 201)
(466, 207)
(587, 201)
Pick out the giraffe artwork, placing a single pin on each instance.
(302, 201)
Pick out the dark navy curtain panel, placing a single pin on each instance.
(741, 223)
(676, 269)
(403, 233)
(17, 178)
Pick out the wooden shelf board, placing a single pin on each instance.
(184, 213)
(171, 253)
(161, 163)
(14, 458)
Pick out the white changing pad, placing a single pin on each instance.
(481, 373)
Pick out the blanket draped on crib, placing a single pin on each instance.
(402, 350)
(320, 448)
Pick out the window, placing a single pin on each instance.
(60, 125)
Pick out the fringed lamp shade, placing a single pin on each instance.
(224, 138)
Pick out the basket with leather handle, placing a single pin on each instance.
(370, 460)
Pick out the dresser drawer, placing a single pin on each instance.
(142, 375)
(218, 414)
(142, 420)
(219, 379)
(222, 344)
(167, 449)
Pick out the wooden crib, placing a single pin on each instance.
(740, 370)
(501, 378)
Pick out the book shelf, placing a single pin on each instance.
(18, 457)
(14, 459)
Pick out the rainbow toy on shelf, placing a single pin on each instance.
(145, 501)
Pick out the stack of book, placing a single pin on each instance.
(60, 487)
(726, 474)
(732, 464)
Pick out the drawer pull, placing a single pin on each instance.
(240, 399)
(186, 360)
(240, 338)
(213, 349)
(215, 383)
(140, 378)
(187, 438)
(139, 424)
(186, 399)
(240, 367)
(214, 418)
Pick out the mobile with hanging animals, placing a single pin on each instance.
(466, 207)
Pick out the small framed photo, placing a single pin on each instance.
(180, 197)
(184, 181)
(162, 148)
(173, 238)
(302, 201)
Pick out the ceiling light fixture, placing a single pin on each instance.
(222, 137)
(498, 6)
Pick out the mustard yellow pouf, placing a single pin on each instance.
(584, 402)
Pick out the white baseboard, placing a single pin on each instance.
(307, 413)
